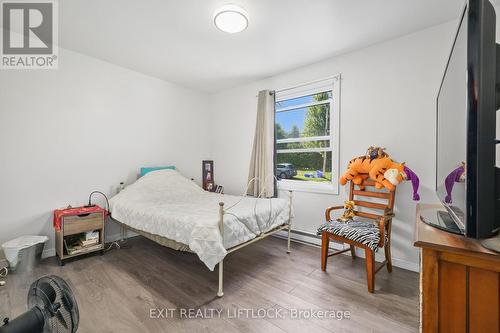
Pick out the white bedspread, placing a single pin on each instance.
(167, 204)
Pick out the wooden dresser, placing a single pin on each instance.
(459, 282)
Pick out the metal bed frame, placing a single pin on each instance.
(263, 235)
(286, 226)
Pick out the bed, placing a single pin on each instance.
(173, 211)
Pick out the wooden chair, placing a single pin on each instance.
(383, 221)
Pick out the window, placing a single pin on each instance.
(307, 133)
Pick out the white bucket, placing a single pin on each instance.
(31, 246)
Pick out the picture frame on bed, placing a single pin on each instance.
(207, 167)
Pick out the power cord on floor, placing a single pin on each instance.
(110, 246)
(120, 244)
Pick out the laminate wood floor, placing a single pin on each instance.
(116, 292)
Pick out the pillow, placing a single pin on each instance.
(146, 170)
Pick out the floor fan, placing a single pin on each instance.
(52, 307)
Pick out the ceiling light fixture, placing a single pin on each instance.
(231, 19)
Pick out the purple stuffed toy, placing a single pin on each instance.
(415, 182)
(454, 177)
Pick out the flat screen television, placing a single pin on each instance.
(466, 174)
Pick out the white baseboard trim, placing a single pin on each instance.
(3, 263)
(113, 238)
(297, 236)
(408, 265)
(313, 240)
(117, 237)
(47, 253)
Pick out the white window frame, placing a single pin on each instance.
(331, 83)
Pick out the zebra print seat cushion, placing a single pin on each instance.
(364, 232)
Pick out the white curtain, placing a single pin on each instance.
(262, 162)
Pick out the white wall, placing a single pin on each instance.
(387, 99)
(87, 126)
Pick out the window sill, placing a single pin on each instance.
(305, 186)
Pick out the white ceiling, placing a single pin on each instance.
(175, 40)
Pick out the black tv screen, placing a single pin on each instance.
(466, 124)
(452, 130)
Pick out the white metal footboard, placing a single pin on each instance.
(286, 226)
